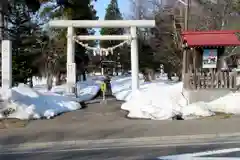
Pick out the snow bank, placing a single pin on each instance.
(196, 110)
(121, 87)
(36, 103)
(159, 100)
(227, 104)
(29, 103)
(162, 100)
(154, 101)
(86, 90)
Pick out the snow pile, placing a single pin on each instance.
(96, 79)
(121, 87)
(39, 81)
(196, 110)
(86, 90)
(227, 104)
(159, 100)
(29, 103)
(155, 101)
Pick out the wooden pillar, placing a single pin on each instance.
(195, 60)
(190, 63)
(184, 68)
(195, 68)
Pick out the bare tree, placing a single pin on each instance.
(161, 39)
(165, 42)
(142, 9)
(51, 58)
(220, 15)
(204, 15)
(216, 15)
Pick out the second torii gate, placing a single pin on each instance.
(71, 24)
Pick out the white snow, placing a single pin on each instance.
(196, 110)
(158, 100)
(29, 103)
(161, 100)
(85, 90)
(227, 104)
(37, 102)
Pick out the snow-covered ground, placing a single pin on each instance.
(37, 102)
(162, 100)
(158, 100)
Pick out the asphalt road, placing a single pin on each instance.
(231, 151)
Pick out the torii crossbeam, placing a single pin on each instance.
(132, 24)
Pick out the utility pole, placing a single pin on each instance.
(137, 5)
(186, 26)
(186, 19)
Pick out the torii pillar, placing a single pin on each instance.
(71, 65)
(131, 24)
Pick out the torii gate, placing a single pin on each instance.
(71, 24)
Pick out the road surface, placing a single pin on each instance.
(227, 149)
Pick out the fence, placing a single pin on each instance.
(211, 80)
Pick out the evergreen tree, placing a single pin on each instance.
(74, 10)
(112, 13)
(3, 12)
(21, 31)
(33, 5)
(51, 56)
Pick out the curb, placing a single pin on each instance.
(138, 141)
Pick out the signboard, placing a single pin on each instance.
(209, 58)
(103, 87)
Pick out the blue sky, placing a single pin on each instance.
(101, 6)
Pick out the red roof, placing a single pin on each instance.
(211, 38)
